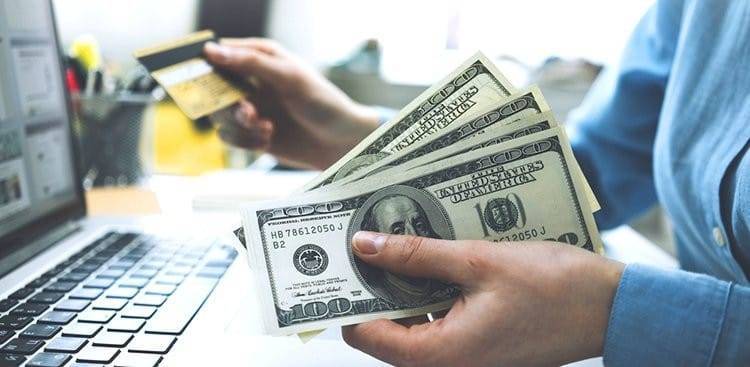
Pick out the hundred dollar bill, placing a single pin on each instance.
(519, 105)
(500, 120)
(485, 138)
(452, 145)
(309, 279)
(471, 89)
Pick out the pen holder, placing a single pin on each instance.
(109, 134)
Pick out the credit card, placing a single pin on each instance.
(181, 69)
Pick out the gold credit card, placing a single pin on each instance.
(181, 69)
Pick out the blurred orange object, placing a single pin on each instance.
(121, 201)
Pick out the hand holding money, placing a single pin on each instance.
(481, 178)
(531, 303)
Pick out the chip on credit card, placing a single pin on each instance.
(181, 69)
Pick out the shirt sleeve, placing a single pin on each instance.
(676, 318)
(613, 131)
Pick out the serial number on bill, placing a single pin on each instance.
(306, 231)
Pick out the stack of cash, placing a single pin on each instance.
(470, 158)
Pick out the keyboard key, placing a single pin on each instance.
(96, 316)
(75, 305)
(179, 270)
(5, 335)
(22, 346)
(65, 345)
(151, 343)
(40, 331)
(46, 297)
(61, 286)
(30, 309)
(86, 293)
(85, 268)
(118, 292)
(154, 264)
(7, 304)
(160, 289)
(109, 339)
(145, 273)
(111, 273)
(149, 300)
(81, 329)
(170, 279)
(126, 325)
(137, 360)
(176, 313)
(14, 322)
(134, 282)
(49, 360)
(138, 312)
(101, 283)
(57, 317)
(211, 272)
(38, 282)
(114, 304)
(123, 264)
(93, 354)
(74, 277)
(11, 360)
(21, 293)
(219, 263)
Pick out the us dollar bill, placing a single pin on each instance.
(528, 102)
(487, 137)
(474, 137)
(499, 120)
(468, 91)
(309, 278)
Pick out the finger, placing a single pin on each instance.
(388, 341)
(262, 44)
(246, 115)
(246, 62)
(246, 138)
(414, 320)
(416, 256)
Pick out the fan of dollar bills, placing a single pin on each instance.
(470, 158)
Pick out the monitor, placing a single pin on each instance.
(39, 185)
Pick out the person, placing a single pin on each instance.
(667, 124)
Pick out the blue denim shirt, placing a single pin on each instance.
(671, 123)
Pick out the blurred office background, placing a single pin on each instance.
(382, 52)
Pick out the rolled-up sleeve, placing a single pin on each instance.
(677, 318)
(613, 131)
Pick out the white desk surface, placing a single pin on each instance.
(221, 192)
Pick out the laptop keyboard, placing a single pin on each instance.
(123, 300)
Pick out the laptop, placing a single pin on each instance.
(83, 291)
(120, 295)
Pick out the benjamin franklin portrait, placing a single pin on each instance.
(402, 210)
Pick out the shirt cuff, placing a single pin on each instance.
(665, 318)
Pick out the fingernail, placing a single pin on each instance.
(215, 48)
(368, 243)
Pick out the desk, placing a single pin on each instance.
(221, 192)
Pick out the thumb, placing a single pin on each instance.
(416, 256)
(246, 62)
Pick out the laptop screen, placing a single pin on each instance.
(37, 174)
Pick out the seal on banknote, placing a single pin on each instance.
(501, 214)
(403, 210)
(310, 259)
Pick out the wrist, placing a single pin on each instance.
(609, 275)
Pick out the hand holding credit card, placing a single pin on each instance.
(181, 69)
